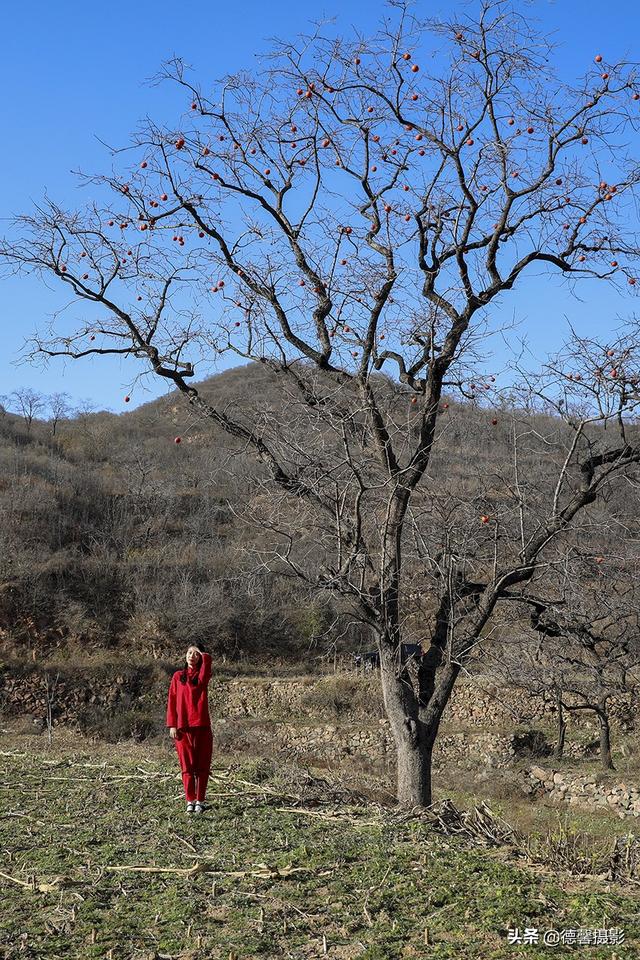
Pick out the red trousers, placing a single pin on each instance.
(195, 746)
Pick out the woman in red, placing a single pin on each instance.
(190, 726)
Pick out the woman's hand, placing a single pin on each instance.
(173, 731)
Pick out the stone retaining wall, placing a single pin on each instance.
(587, 792)
(345, 709)
(476, 702)
(332, 743)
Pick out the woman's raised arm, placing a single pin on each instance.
(206, 668)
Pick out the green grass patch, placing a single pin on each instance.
(284, 864)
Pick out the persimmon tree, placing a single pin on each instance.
(353, 215)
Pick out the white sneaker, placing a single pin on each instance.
(191, 807)
(200, 807)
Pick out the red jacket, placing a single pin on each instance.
(187, 705)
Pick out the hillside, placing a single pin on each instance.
(114, 537)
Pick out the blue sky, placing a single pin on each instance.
(74, 72)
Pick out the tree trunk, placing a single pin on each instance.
(414, 768)
(414, 715)
(413, 744)
(413, 701)
(561, 728)
(605, 740)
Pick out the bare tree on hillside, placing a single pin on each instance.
(59, 409)
(352, 215)
(28, 403)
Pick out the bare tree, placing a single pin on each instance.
(28, 403)
(590, 649)
(582, 647)
(354, 222)
(59, 409)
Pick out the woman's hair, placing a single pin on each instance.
(183, 675)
